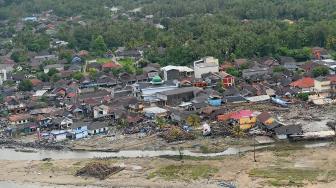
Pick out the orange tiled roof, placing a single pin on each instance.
(35, 81)
(306, 82)
(111, 65)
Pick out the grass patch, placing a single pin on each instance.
(192, 158)
(48, 167)
(206, 149)
(103, 60)
(184, 172)
(287, 176)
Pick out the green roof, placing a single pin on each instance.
(156, 79)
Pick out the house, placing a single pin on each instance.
(111, 65)
(79, 130)
(205, 65)
(319, 53)
(42, 58)
(265, 118)
(285, 59)
(153, 112)
(176, 72)
(259, 98)
(14, 106)
(215, 100)
(98, 128)
(332, 86)
(238, 63)
(305, 84)
(177, 96)
(36, 82)
(63, 122)
(101, 111)
(180, 115)
(322, 85)
(255, 72)
(151, 72)
(292, 66)
(269, 62)
(228, 80)
(94, 65)
(309, 66)
(234, 99)
(245, 118)
(58, 135)
(19, 119)
(284, 132)
(122, 53)
(58, 67)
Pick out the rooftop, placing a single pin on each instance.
(306, 82)
(179, 68)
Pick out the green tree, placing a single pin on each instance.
(19, 56)
(279, 69)
(303, 96)
(77, 75)
(320, 71)
(55, 78)
(98, 46)
(43, 77)
(93, 72)
(52, 72)
(25, 85)
(233, 71)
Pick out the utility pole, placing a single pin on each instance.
(254, 148)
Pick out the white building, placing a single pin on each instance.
(3, 76)
(206, 65)
(171, 72)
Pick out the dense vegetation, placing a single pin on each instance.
(226, 29)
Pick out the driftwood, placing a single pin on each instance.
(98, 170)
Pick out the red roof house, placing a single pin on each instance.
(111, 65)
(303, 83)
(36, 82)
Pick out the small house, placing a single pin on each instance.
(206, 65)
(19, 119)
(215, 100)
(177, 96)
(153, 112)
(176, 72)
(58, 135)
(79, 130)
(283, 132)
(245, 118)
(98, 128)
(228, 80)
(306, 84)
(265, 118)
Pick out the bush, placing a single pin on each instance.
(303, 96)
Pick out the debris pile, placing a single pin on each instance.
(99, 170)
(143, 127)
(175, 133)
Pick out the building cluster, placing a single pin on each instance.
(105, 94)
(75, 109)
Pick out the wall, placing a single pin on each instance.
(321, 85)
(203, 70)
